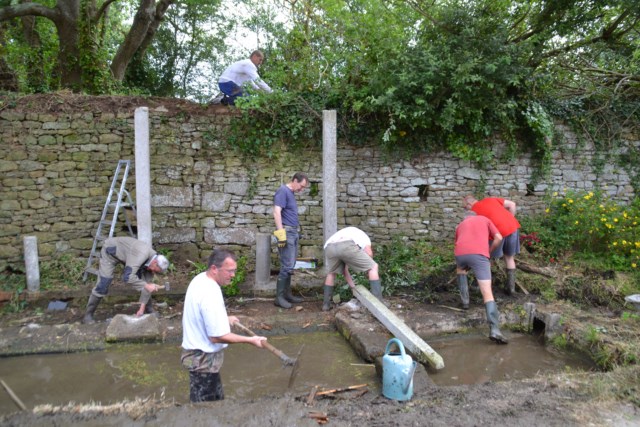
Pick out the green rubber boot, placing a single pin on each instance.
(493, 316)
(376, 288)
(91, 309)
(511, 281)
(280, 300)
(328, 295)
(463, 286)
(288, 295)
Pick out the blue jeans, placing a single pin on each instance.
(289, 253)
(232, 91)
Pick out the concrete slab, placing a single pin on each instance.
(412, 342)
(368, 337)
(35, 338)
(132, 328)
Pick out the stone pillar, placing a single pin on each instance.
(31, 263)
(263, 262)
(143, 174)
(329, 174)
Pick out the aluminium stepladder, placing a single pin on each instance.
(117, 199)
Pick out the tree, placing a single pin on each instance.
(450, 74)
(80, 26)
(187, 50)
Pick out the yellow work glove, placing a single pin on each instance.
(281, 235)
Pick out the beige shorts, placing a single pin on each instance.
(347, 253)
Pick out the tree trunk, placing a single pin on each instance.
(128, 48)
(8, 79)
(145, 24)
(36, 79)
(67, 22)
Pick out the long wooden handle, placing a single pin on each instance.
(14, 396)
(266, 345)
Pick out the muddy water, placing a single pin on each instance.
(130, 371)
(471, 359)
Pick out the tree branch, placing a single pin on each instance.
(141, 22)
(102, 10)
(27, 9)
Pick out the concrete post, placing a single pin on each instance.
(263, 261)
(143, 174)
(329, 174)
(31, 263)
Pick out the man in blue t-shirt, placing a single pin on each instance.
(285, 214)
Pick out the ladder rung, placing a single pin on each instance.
(123, 200)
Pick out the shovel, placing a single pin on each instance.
(286, 360)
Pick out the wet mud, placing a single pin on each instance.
(560, 398)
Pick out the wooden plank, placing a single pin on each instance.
(411, 341)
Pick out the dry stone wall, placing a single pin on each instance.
(57, 168)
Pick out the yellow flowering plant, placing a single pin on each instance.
(591, 224)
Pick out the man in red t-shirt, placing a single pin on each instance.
(472, 253)
(502, 213)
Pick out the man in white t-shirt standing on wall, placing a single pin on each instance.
(349, 247)
(241, 73)
(206, 328)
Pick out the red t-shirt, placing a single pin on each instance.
(473, 234)
(493, 208)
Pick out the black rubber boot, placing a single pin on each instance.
(463, 286)
(511, 281)
(91, 308)
(280, 300)
(328, 294)
(376, 288)
(148, 309)
(493, 316)
(288, 295)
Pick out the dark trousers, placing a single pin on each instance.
(205, 387)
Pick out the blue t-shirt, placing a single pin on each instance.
(286, 200)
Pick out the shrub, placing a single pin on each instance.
(587, 224)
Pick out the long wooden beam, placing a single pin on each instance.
(411, 341)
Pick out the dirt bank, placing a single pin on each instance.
(567, 399)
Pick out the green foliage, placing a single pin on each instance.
(588, 224)
(630, 317)
(415, 78)
(189, 45)
(17, 302)
(269, 120)
(198, 267)
(560, 341)
(401, 264)
(592, 335)
(62, 272)
(233, 289)
(32, 55)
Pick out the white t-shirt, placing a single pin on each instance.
(204, 315)
(358, 236)
(244, 71)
